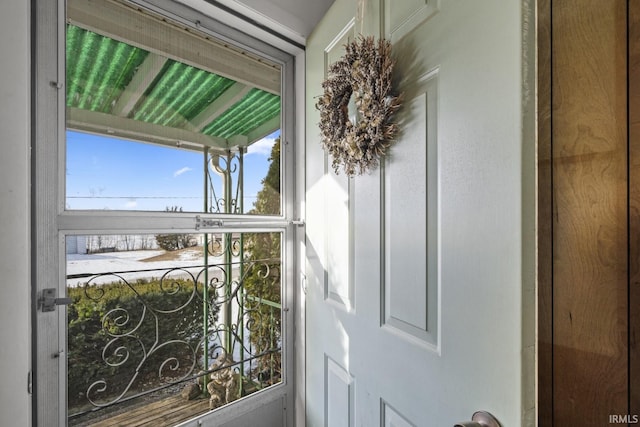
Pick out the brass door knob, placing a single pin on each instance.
(481, 419)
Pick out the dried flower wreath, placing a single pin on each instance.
(365, 72)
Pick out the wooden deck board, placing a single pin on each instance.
(165, 412)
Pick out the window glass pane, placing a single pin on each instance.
(153, 131)
(162, 330)
(112, 174)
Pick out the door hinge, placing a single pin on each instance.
(48, 300)
(30, 382)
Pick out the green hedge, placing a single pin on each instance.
(100, 313)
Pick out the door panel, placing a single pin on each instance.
(432, 249)
(411, 286)
(337, 208)
(402, 17)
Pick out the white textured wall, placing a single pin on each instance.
(14, 213)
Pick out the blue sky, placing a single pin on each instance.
(114, 174)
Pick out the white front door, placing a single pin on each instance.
(419, 273)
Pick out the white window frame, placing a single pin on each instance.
(51, 223)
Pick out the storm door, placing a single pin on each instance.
(164, 211)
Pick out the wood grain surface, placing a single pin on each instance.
(545, 236)
(634, 206)
(590, 252)
(166, 412)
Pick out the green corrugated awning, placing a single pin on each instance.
(255, 109)
(120, 89)
(178, 95)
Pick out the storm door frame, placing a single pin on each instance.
(51, 223)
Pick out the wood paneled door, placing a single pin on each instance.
(589, 212)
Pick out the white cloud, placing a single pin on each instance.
(181, 171)
(131, 204)
(262, 147)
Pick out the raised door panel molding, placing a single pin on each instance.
(339, 395)
(411, 253)
(401, 17)
(339, 252)
(335, 49)
(392, 418)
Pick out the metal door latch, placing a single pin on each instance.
(207, 223)
(48, 301)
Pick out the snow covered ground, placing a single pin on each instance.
(133, 263)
